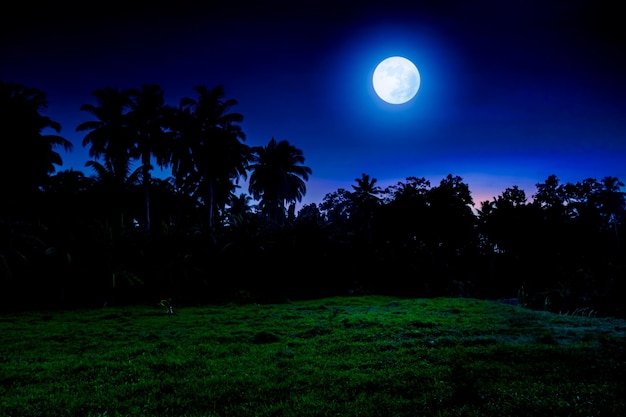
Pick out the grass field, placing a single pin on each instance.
(352, 356)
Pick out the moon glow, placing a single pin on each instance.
(396, 80)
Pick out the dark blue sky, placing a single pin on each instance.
(511, 92)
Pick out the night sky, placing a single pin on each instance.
(511, 92)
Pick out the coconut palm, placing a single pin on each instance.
(239, 208)
(110, 135)
(366, 191)
(208, 156)
(113, 138)
(28, 156)
(148, 120)
(106, 174)
(278, 177)
(364, 203)
(114, 189)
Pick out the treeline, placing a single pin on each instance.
(121, 236)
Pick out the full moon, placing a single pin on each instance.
(396, 80)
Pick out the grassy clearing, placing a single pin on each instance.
(357, 356)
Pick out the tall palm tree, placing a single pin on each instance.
(148, 119)
(106, 175)
(110, 135)
(113, 188)
(28, 156)
(239, 209)
(366, 191)
(208, 149)
(364, 202)
(278, 177)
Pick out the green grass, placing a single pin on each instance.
(357, 356)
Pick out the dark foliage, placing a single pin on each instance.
(124, 237)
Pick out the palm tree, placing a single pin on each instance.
(366, 191)
(239, 208)
(28, 156)
(113, 188)
(110, 135)
(365, 201)
(208, 152)
(148, 119)
(106, 175)
(278, 177)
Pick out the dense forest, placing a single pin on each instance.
(120, 236)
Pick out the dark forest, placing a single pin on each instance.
(121, 236)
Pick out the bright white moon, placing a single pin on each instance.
(396, 80)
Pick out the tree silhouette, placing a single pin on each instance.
(450, 212)
(550, 196)
(366, 191)
(505, 229)
(239, 209)
(551, 229)
(111, 139)
(110, 135)
(563, 248)
(114, 189)
(277, 177)
(364, 203)
(148, 119)
(66, 198)
(451, 228)
(208, 154)
(612, 203)
(28, 155)
(404, 217)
